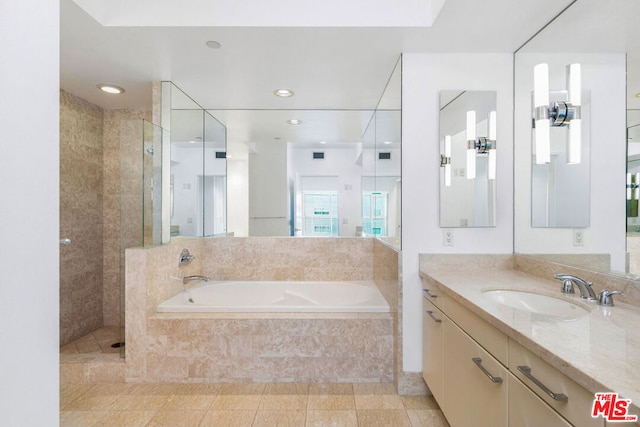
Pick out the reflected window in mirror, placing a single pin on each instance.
(468, 147)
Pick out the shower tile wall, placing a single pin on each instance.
(90, 213)
(81, 180)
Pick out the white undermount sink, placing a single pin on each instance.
(543, 305)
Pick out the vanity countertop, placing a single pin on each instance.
(600, 351)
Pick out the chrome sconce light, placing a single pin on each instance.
(481, 145)
(633, 185)
(445, 161)
(557, 113)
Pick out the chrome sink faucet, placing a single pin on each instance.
(187, 279)
(568, 282)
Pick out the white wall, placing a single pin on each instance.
(268, 191)
(604, 76)
(29, 217)
(424, 76)
(186, 167)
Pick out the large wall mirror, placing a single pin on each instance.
(468, 147)
(198, 169)
(252, 172)
(593, 233)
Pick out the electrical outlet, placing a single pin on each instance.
(447, 236)
(578, 238)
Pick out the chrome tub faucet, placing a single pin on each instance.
(187, 279)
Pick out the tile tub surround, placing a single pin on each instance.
(599, 351)
(248, 347)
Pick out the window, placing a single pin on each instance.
(374, 213)
(320, 213)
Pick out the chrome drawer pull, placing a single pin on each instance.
(430, 313)
(478, 363)
(526, 371)
(429, 294)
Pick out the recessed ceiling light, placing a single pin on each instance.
(294, 121)
(110, 88)
(323, 142)
(283, 93)
(212, 44)
(387, 142)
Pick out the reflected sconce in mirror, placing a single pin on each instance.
(633, 183)
(445, 161)
(557, 113)
(481, 145)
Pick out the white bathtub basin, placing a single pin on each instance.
(540, 304)
(281, 296)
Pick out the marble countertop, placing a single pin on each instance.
(600, 351)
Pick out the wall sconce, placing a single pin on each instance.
(633, 183)
(557, 114)
(445, 160)
(481, 145)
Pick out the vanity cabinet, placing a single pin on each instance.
(468, 383)
(526, 409)
(432, 349)
(475, 383)
(480, 377)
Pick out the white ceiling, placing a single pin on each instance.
(329, 68)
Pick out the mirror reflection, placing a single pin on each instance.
(610, 66)
(285, 172)
(198, 169)
(468, 150)
(560, 186)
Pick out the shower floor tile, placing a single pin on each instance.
(98, 341)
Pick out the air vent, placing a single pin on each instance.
(221, 154)
(318, 155)
(384, 155)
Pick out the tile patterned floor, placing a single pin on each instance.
(98, 341)
(229, 405)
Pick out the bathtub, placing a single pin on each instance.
(278, 297)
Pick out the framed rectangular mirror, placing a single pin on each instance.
(468, 150)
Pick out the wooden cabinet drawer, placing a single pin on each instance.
(578, 404)
(432, 348)
(526, 409)
(475, 384)
(433, 294)
(494, 341)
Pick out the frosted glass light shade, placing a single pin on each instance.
(471, 163)
(447, 175)
(574, 84)
(492, 125)
(543, 143)
(574, 142)
(541, 99)
(471, 125)
(491, 167)
(541, 85)
(447, 146)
